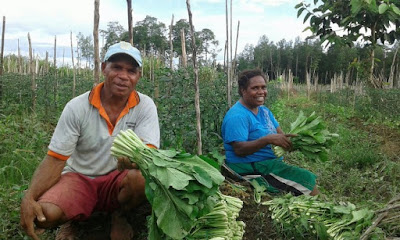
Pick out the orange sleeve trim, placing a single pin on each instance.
(151, 146)
(58, 156)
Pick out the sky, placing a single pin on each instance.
(45, 19)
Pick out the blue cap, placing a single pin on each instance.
(126, 48)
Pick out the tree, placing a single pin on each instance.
(85, 45)
(376, 18)
(176, 35)
(149, 35)
(112, 35)
(208, 43)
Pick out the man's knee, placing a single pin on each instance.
(132, 189)
(54, 216)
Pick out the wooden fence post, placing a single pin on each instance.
(32, 72)
(73, 68)
(2, 49)
(130, 25)
(96, 42)
(196, 83)
(171, 46)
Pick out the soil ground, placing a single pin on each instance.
(258, 224)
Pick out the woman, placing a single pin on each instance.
(249, 129)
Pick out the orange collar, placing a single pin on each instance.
(94, 99)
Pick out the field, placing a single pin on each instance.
(363, 166)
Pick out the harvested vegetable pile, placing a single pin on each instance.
(314, 219)
(183, 191)
(313, 139)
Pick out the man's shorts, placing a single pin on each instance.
(79, 196)
(279, 175)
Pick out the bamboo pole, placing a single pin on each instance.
(46, 85)
(73, 67)
(1, 62)
(234, 59)
(228, 85)
(55, 73)
(96, 42)
(2, 49)
(171, 46)
(130, 25)
(19, 60)
(196, 83)
(32, 72)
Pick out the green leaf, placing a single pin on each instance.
(170, 177)
(300, 11)
(306, 17)
(395, 9)
(154, 231)
(382, 8)
(356, 6)
(202, 177)
(170, 220)
(298, 5)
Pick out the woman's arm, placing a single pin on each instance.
(249, 147)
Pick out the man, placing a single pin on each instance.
(79, 176)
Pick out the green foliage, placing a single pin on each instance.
(306, 217)
(24, 143)
(312, 138)
(351, 16)
(180, 187)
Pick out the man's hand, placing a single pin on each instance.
(124, 163)
(31, 211)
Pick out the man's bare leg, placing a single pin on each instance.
(130, 196)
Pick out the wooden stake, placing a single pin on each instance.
(2, 48)
(96, 42)
(228, 64)
(32, 72)
(196, 83)
(130, 25)
(73, 67)
(171, 46)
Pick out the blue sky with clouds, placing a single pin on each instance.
(43, 19)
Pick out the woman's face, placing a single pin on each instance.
(255, 93)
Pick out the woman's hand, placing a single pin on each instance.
(282, 140)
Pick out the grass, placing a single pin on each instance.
(358, 170)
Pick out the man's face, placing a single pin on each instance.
(121, 75)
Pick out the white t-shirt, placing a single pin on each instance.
(84, 136)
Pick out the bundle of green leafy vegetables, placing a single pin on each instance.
(181, 188)
(311, 218)
(312, 138)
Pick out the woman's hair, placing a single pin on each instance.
(245, 76)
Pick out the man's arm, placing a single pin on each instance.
(249, 147)
(46, 175)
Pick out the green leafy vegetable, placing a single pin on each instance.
(184, 193)
(319, 219)
(180, 187)
(313, 140)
